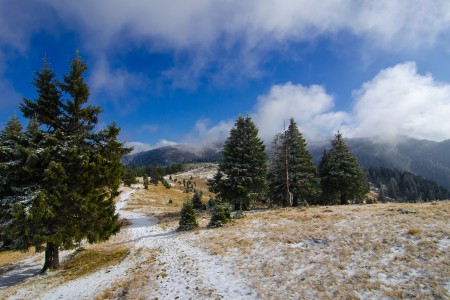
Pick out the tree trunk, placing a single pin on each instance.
(287, 196)
(343, 199)
(51, 257)
(237, 204)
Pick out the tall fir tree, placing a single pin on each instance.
(279, 192)
(293, 175)
(242, 174)
(73, 171)
(48, 107)
(342, 177)
(12, 159)
(303, 175)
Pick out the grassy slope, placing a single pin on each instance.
(352, 252)
(357, 251)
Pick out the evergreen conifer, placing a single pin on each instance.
(188, 217)
(293, 175)
(243, 166)
(72, 173)
(220, 215)
(197, 200)
(342, 177)
(145, 181)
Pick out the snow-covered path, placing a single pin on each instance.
(187, 271)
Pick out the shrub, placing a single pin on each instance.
(188, 218)
(166, 184)
(220, 215)
(197, 200)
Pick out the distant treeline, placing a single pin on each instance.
(155, 172)
(405, 186)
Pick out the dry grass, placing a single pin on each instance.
(89, 261)
(339, 252)
(139, 279)
(351, 252)
(156, 198)
(199, 184)
(9, 257)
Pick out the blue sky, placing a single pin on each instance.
(182, 71)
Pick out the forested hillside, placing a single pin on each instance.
(428, 159)
(402, 185)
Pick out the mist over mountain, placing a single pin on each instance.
(425, 158)
(176, 154)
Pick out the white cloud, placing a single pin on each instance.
(186, 23)
(234, 36)
(311, 107)
(115, 82)
(399, 101)
(231, 37)
(206, 135)
(140, 147)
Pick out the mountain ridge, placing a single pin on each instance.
(425, 158)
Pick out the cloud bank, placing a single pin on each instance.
(232, 36)
(310, 106)
(397, 101)
(141, 147)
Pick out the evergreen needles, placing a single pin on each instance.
(59, 176)
(188, 217)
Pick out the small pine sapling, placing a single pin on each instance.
(212, 202)
(188, 218)
(166, 184)
(197, 200)
(145, 181)
(220, 215)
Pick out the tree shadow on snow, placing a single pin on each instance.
(17, 275)
(167, 234)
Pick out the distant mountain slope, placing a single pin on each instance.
(403, 185)
(173, 155)
(421, 157)
(428, 159)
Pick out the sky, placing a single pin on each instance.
(169, 72)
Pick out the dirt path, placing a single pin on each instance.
(185, 271)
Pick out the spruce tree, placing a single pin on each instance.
(145, 181)
(197, 200)
(73, 173)
(293, 174)
(188, 217)
(279, 191)
(13, 158)
(220, 215)
(342, 177)
(48, 107)
(243, 166)
(304, 181)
